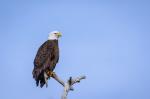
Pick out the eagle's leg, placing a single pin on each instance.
(50, 73)
(46, 79)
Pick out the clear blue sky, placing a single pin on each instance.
(106, 40)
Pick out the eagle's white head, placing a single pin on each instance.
(54, 35)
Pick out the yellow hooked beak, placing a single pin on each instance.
(59, 34)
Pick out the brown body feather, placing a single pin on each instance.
(45, 60)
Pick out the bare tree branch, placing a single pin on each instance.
(68, 85)
(58, 79)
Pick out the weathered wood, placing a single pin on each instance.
(58, 79)
(67, 85)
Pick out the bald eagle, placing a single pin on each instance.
(46, 59)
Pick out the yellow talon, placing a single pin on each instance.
(50, 73)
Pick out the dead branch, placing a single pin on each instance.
(67, 85)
